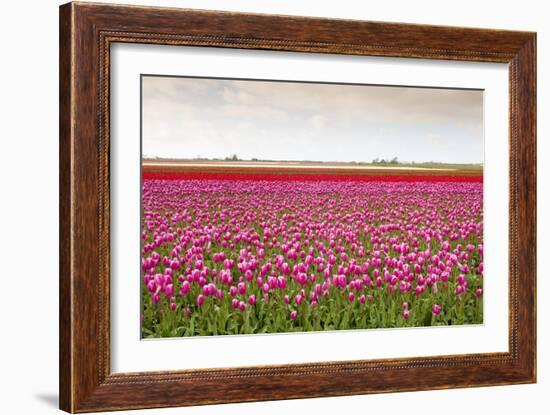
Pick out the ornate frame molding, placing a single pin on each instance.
(86, 34)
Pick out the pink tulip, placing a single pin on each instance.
(241, 288)
(185, 287)
(169, 290)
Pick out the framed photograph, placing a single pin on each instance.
(258, 207)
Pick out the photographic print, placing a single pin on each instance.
(283, 206)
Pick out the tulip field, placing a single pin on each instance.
(254, 251)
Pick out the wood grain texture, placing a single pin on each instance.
(65, 246)
(86, 33)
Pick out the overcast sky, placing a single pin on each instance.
(213, 118)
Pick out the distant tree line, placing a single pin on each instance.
(394, 160)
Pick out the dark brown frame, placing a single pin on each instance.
(86, 33)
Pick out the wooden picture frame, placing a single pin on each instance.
(86, 33)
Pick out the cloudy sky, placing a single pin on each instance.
(214, 118)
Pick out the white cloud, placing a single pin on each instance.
(185, 117)
(318, 121)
